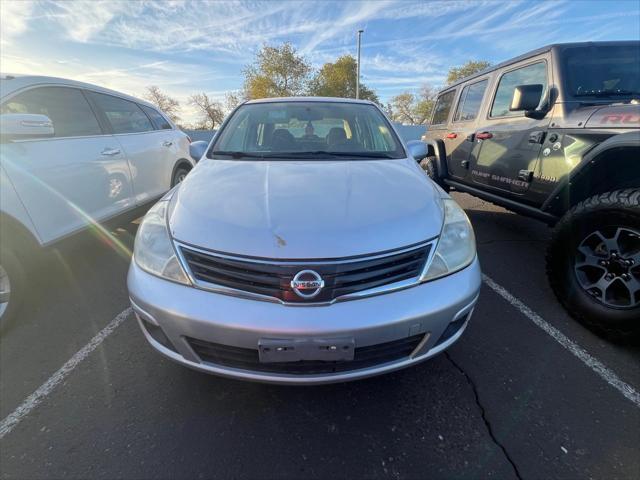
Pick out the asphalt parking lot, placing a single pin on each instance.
(525, 393)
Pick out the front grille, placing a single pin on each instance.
(342, 277)
(247, 358)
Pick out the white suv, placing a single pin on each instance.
(71, 155)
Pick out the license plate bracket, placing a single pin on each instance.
(278, 350)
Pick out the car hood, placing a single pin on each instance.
(305, 209)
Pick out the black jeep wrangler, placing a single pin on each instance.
(555, 134)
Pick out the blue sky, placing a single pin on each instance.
(187, 47)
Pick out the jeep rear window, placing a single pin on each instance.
(470, 101)
(602, 71)
(443, 107)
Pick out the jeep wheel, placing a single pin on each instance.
(593, 263)
(11, 286)
(430, 166)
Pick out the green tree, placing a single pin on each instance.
(164, 102)
(338, 79)
(465, 70)
(277, 71)
(413, 108)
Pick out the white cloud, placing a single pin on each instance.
(419, 63)
(83, 20)
(352, 15)
(172, 26)
(14, 16)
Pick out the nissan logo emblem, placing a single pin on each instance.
(307, 284)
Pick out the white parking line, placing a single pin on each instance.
(593, 363)
(33, 400)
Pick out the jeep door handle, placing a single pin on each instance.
(452, 135)
(110, 152)
(167, 144)
(484, 135)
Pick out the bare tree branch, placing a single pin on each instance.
(170, 106)
(211, 112)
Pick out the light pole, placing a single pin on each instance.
(358, 64)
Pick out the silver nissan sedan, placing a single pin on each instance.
(307, 246)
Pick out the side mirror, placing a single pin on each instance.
(526, 97)
(23, 126)
(417, 149)
(197, 149)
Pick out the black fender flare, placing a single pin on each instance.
(560, 194)
(437, 147)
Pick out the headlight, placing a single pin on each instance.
(153, 250)
(456, 247)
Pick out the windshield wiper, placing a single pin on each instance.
(305, 154)
(236, 154)
(606, 93)
(345, 154)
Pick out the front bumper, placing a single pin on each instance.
(172, 316)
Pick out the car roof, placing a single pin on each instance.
(10, 83)
(309, 99)
(533, 53)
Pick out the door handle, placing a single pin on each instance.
(536, 137)
(167, 144)
(110, 152)
(452, 135)
(484, 135)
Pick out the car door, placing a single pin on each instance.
(175, 141)
(78, 177)
(509, 142)
(459, 140)
(438, 127)
(147, 149)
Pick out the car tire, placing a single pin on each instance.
(12, 286)
(430, 166)
(593, 263)
(179, 175)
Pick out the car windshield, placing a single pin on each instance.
(309, 130)
(603, 71)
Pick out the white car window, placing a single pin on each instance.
(123, 115)
(66, 107)
(159, 122)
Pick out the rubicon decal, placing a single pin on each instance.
(621, 118)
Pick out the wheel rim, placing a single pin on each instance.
(181, 177)
(5, 290)
(607, 266)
